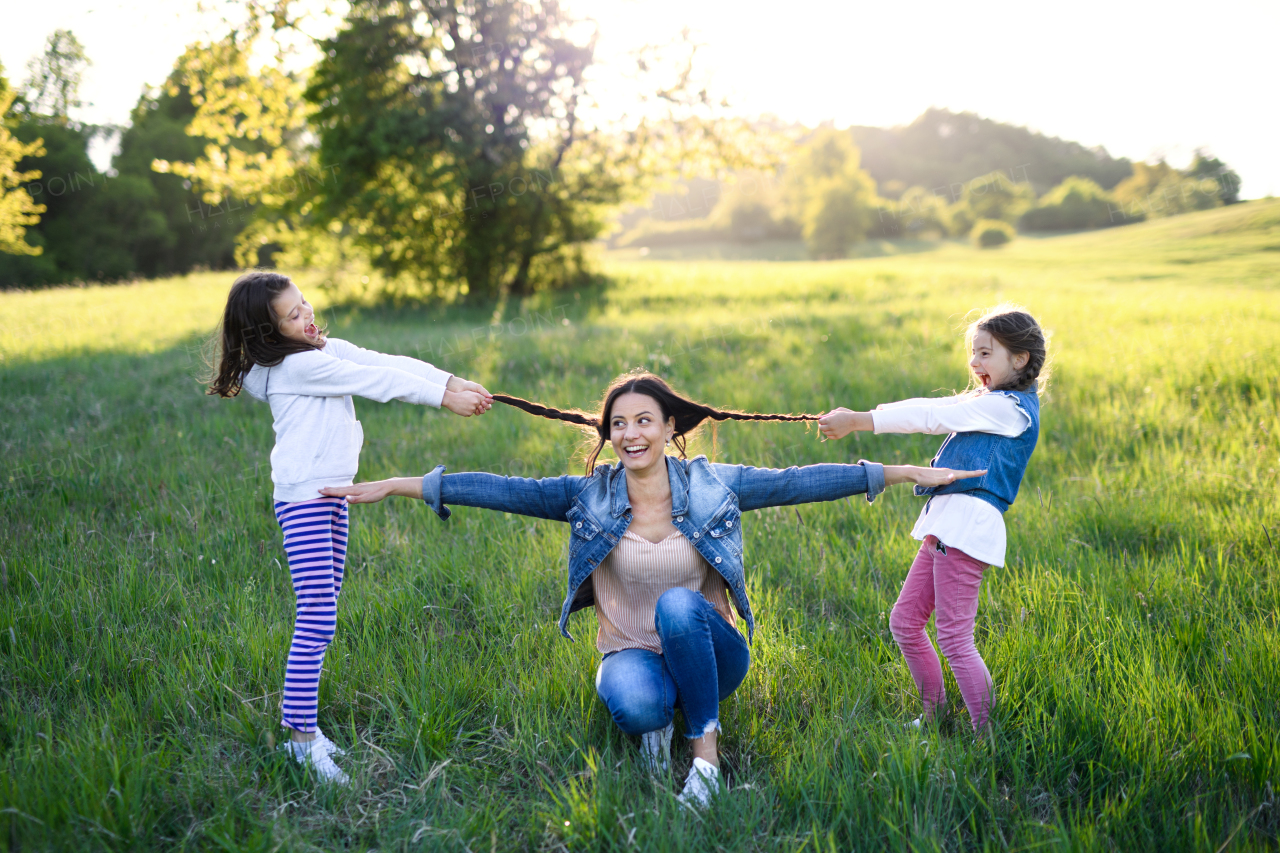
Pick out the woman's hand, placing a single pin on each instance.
(894, 474)
(371, 493)
(466, 403)
(838, 423)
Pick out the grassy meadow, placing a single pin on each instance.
(145, 613)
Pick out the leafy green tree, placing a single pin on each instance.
(917, 212)
(450, 134)
(1157, 189)
(832, 197)
(53, 78)
(1206, 166)
(749, 209)
(200, 234)
(1074, 204)
(18, 211)
(994, 196)
(94, 225)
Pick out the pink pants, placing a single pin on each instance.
(946, 580)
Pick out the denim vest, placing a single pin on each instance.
(707, 502)
(1005, 459)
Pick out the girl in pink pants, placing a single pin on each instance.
(993, 427)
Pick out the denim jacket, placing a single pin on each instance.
(1005, 459)
(707, 500)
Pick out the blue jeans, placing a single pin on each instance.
(704, 660)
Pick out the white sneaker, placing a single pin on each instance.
(655, 749)
(328, 745)
(701, 785)
(312, 754)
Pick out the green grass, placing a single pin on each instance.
(1132, 635)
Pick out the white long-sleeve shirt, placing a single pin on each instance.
(958, 520)
(318, 438)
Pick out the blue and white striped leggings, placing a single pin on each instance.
(315, 539)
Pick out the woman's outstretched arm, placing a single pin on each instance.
(763, 487)
(549, 497)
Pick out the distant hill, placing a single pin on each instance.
(941, 148)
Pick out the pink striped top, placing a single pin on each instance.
(630, 580)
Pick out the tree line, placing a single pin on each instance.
(446, 147)
(945, 175)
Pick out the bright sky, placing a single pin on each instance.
(1141, 79)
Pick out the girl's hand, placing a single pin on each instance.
(838, 423)
(371, 493)
(457, 383)
(466, 403)
(894, 474)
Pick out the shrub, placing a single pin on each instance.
(989, 233)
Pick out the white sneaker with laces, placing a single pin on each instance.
(702, 783)
(313, 754)
(328, 745)
(655, 749)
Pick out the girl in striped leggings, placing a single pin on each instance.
(271, 347)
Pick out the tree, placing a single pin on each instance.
(918, 212)
(833, 198)
(441, 140)
(1157, 189)
(17, 209)
(94, 226)
(450, 133)
(53, 78)
(1206, 166)
(199, 234)
(995, 196)
(1075, 203)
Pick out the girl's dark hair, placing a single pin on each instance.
(688, 414)
(249, 333)
(1018, 332)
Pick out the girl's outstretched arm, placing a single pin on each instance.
(992, 413)
(372, 358)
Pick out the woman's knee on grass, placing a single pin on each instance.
(636, 692)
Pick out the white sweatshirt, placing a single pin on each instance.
(958, 520)
(318, 438)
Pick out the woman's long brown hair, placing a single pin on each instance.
(688, 414)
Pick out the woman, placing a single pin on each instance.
(645, 537)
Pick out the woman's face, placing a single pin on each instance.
(638, 433)
(296, 317)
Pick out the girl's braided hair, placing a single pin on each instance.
(688, 414)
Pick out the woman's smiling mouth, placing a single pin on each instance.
(635, 450)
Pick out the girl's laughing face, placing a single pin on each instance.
(992, 363)
(296, 318)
